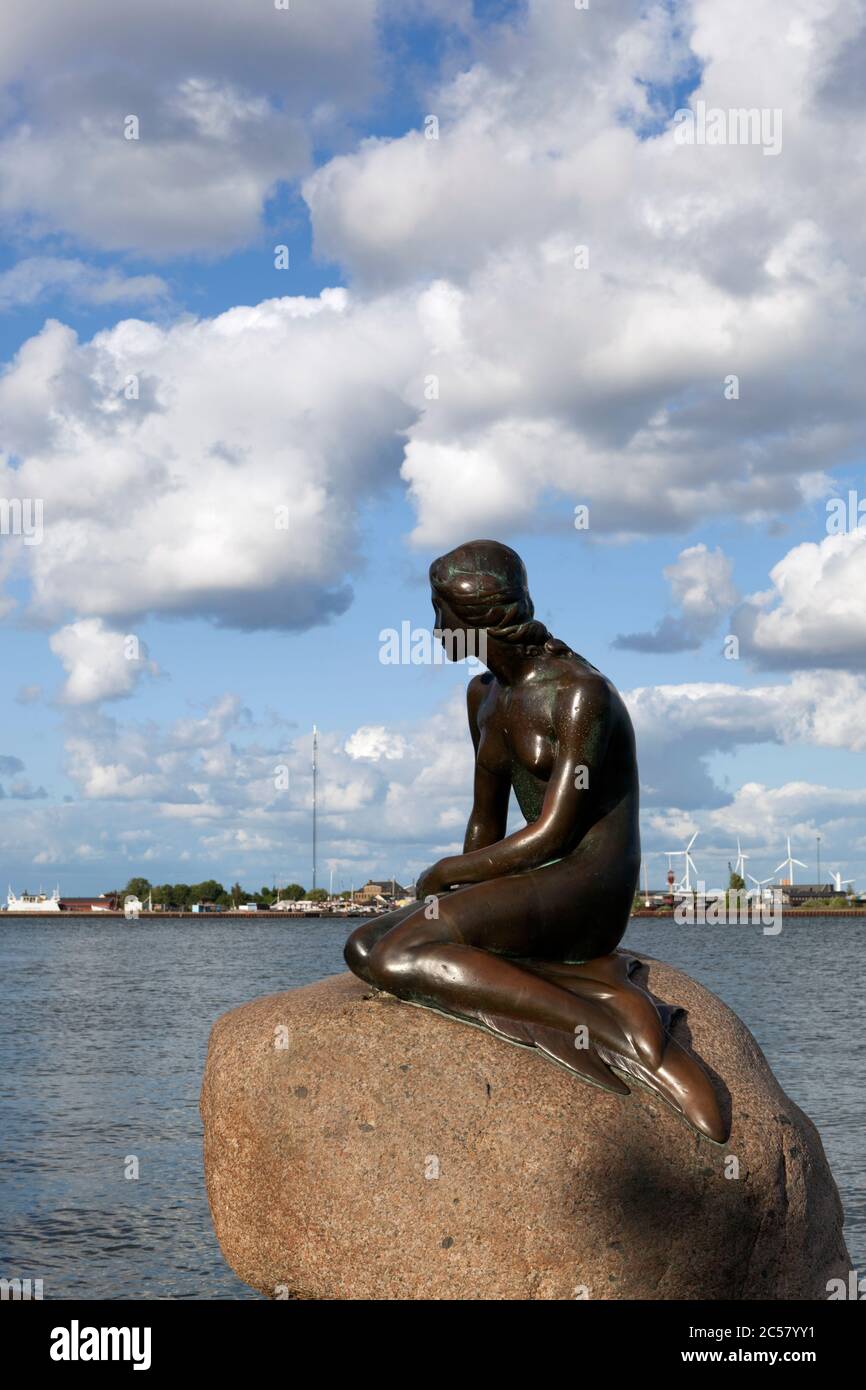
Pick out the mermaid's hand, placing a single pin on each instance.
(429, 883)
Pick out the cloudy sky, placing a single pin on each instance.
(293, 299)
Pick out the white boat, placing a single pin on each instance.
(298, 907)
(33, 902)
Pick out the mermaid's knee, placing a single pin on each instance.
(388, 966)
(408, 958)
(368, 940)
(356, 954)
(400, 966)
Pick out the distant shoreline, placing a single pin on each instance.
(55, 918)
(666, 913)
(171, 916)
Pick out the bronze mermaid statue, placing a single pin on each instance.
(519, 933)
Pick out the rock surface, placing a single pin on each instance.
(359, 1148)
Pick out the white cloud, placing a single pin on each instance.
(204, 789)
(375, 742)
(767, 815)
(700, 581)
(679, 726)
(762, 817)
(230, 487)
(815, 612)
(202, 792)
(101, 664)
(702, 586)
(210, 728)
(37, 277)
(229, 99)
(556, 385)
(393, 782)
(605, 385)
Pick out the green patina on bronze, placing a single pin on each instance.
(530, 795)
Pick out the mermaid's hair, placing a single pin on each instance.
(484, 583)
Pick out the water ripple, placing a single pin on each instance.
(103, 1046)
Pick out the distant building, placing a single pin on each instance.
(801, 894)
(101, 904)
(206, 907)
(380, 888)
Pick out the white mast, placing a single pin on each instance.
(315, 790)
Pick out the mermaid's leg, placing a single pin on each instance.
(429, 962)
(536, 1002)
(356, 951)
(658, 1062)
(465, 958)
(607, 982)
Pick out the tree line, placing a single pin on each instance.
(181, 896)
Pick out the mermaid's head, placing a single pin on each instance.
(482, 586)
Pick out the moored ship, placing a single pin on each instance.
(38, 904)
(33, 902)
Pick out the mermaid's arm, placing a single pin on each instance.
(489, 810)
(583, 730)
(491, 789)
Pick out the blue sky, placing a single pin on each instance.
(454, 256)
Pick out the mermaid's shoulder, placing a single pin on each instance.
(476, 691)
(576, 677)
(478, 688)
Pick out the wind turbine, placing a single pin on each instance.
(789, 865)
(841, 882)
(740, 866)
(761, 883)
(685, 882)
